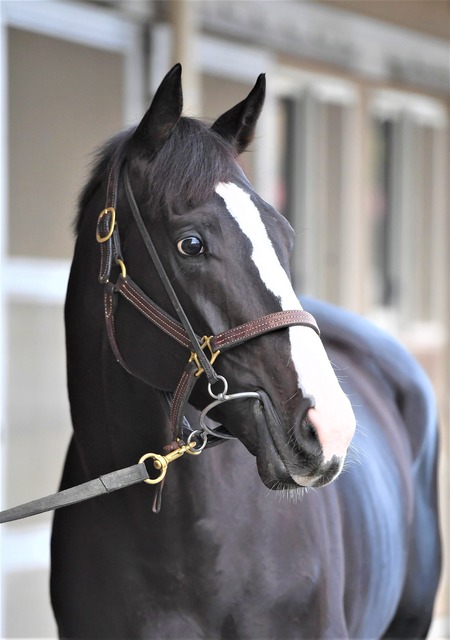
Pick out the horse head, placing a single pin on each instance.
(226, 254)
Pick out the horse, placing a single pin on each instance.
(309, 509)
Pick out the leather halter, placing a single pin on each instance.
(181, 331)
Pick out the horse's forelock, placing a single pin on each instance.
(187, 168)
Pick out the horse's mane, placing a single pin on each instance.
(187, 168)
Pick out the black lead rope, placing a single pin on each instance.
(209, 370)
(104, 484)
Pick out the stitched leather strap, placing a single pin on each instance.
(181, 398)
(110, 302)
(222, 341)
(107, 231)
(266, 324)
(134, 294)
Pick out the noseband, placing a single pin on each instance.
(203, 350)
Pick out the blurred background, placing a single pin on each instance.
(352, 147)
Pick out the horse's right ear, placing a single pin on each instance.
(161, 117)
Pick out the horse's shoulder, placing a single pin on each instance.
(345, 330)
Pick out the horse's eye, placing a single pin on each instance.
(191, 246)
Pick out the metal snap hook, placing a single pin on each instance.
(161, 463)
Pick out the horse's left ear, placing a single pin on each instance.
(238, 124)
(161, 117)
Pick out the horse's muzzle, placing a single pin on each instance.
(290, 455)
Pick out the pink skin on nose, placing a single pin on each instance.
(332, 415)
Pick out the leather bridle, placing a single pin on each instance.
(204, 350)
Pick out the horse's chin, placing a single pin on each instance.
(271, 467)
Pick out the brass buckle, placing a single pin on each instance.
(205, 342)
(105, 212)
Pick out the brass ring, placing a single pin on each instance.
(122, 267)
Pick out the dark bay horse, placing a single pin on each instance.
(239, 550)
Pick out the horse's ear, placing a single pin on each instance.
(238, 124)
(161, 117)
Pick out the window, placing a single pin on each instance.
(316, 183)
(408, 206)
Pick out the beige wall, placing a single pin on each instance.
(64, 100)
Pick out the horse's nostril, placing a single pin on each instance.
(307, 436)
(308, 429)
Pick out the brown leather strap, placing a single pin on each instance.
(181, 398)
(130, 290)
(225, 340)
(104, 223)
(107, 229)
(266, 324)
(109, 300)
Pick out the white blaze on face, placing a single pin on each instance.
(332, 415)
